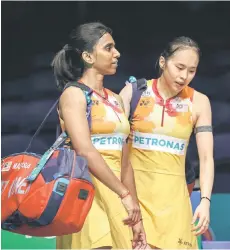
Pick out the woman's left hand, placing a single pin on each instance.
(202, 213)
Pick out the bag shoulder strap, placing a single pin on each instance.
(138, 87)
(81, 86)
(88, 92)
(63, 136)
(42, 124)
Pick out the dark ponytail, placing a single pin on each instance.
(68, 64)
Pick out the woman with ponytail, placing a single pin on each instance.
(167, 113)
(87, 58)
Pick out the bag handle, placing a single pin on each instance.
(33, 175)
(87, 91)
(61, 138)
(42, 124)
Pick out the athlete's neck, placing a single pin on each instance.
(93, 80)
(164, 89)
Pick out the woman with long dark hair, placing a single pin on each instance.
(87, 58)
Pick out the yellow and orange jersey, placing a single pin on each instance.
(160, 130)
(109, 127)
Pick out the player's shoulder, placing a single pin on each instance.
(200, 97)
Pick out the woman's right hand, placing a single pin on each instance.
(139, 237)
(133, 210)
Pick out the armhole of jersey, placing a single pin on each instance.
(191, 99)
(118, 99)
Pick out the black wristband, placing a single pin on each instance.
(204, 197)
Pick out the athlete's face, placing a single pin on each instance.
(180, 68)
(104, 58)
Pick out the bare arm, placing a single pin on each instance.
(127, 174)
(204, 139)
(73, 112)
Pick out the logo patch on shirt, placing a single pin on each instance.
(146, 93)
(116, 103)
(108, 142)
(95, 102)
(162, 143)
(180, 107)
